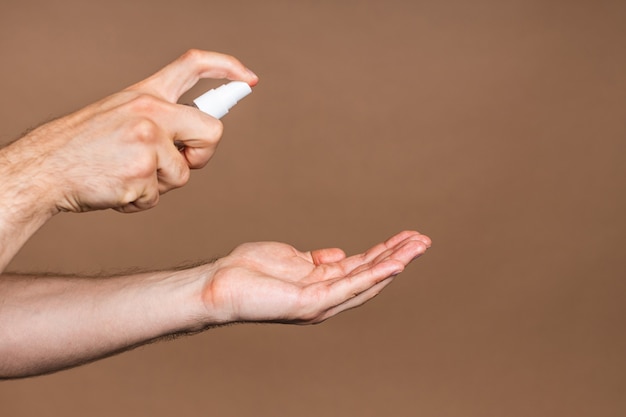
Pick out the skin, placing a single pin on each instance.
(121, 153)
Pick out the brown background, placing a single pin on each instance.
(496, 127)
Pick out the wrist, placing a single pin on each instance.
(189, 287)
(215, 298)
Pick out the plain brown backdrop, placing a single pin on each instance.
(496, 127)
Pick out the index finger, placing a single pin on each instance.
(175, 79)
(389, 246)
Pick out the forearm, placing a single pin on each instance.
(50, 323)
(26, 196)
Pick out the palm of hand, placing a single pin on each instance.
(269, 281)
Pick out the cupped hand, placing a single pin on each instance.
(274, 282)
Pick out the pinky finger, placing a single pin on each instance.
(360, 299)
(347, 288)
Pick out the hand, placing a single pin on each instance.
(120, 152)
(274, 282)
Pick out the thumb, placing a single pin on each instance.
(328, 255)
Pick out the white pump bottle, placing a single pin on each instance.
(218, 101)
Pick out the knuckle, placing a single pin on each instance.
(128, 197)
(192, 54)
(152, 200)
(182, 175)
(213, 129)
(134, 201)
(221, 64)
(229, 62)
(143, 103)
(217, 130)
(185, 174)
(144, 130)
(144, 167)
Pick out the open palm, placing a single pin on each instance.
(270, 281)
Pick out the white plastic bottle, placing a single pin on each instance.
(218, 101)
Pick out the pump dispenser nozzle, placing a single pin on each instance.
(218, 101)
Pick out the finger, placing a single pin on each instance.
(379, 250)
(328, 255)
(349, 287)
(390, 243)
(145, 199)
(404, 252)
(405, 235)
(370, 278)
(360, 299)
(179, 76)
(197, 132)
(173, 169)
